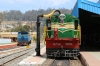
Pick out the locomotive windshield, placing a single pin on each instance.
(23, 33)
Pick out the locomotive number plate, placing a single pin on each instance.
(69, 44)
(57, 44)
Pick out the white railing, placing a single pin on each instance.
(5, 41)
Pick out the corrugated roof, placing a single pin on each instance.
(86, 5)
(98, 2)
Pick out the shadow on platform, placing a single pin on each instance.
(90, 48)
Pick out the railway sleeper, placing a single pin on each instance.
(12, 56)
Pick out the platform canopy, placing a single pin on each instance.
(87, 6)
(98, 2)
(89, 15)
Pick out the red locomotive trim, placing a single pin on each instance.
(68, 39)
(62, 43)
(56, 33)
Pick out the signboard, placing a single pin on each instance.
(14, 32)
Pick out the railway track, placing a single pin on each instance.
(48, 62)
(8, 56)
(62, 62)
(12, 57)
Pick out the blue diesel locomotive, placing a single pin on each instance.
(24, 38)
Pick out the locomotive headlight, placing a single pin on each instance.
(62, 16)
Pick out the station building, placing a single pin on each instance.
(13, 35)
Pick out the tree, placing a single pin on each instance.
(13, 15)
(1, 17)
(26, 27)
(30, 15)
(34, 38)
(21, 28)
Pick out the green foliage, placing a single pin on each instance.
(34, 38)
(21, 28)
(30, 15)
(1, 17)
(13, 15)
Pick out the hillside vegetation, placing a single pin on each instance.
(29, 15)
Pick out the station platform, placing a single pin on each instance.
(34, 60)
(7, 46)
(92, 58)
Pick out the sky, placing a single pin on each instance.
(25, 5)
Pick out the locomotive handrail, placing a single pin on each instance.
(79, 30)
(45, 28)
(80, 33)
(47, 16)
